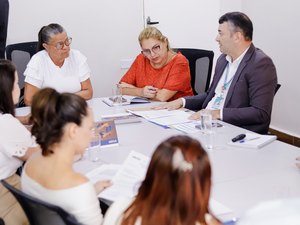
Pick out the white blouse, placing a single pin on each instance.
(15, 139)
(80, 201)
(41, 72)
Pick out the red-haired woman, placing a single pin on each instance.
(175, 191)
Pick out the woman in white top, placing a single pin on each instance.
(57, 66)
(176, 188)
(16, 143)
(63, 126)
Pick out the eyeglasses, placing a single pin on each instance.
(155, 49)
(60, 45)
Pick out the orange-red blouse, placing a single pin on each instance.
(174, 76)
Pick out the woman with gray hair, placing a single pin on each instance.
(57, 66)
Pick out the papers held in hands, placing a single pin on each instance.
(253, 140)
(129, 177)
(124, 100)
(108, 133)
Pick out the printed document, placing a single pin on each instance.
(128, 178)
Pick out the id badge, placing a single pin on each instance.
(217, 102)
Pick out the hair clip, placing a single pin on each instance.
(178, 162)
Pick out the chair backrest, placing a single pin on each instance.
(277, 88)
(39, 212)
(20, 54)
(200, 62)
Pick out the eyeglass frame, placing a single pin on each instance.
(155, 49)
(60, 45)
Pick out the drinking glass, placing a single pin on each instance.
(207, 128)
(117, 95)
(94, 148)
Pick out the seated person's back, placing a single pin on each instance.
(62, 132)
(176, 188)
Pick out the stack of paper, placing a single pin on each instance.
(121, 118)
(164, 117)
(253, 140)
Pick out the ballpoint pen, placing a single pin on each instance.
(250, 139)
(230, 222)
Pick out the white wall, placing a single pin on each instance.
(104, 31)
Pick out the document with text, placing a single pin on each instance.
(127, 180)
(164, 117)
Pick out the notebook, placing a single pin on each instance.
(108, 132)
(125, 100)
(253, 140)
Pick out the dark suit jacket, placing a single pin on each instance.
(249, 100)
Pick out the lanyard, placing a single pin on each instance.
(226, 83)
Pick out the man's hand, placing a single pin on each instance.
(197, 115)
(215, 114)
(176, 104)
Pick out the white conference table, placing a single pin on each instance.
(242, 177)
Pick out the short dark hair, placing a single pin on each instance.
(240, 21)
(50, 112)
(7, 80)
(46, 32)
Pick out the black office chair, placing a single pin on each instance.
(2, 221)
(39, 212)
(201, 62)
(277, 88)
(20, 54)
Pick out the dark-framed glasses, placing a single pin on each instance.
(60, 45)
(155, 49)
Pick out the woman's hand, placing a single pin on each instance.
(149, 92)
(101, 185)
(25, 120)
(210, 220)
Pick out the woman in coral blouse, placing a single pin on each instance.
(158, 73)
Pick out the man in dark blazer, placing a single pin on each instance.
(244, 83)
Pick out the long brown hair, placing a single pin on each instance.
(7, 80)
(173, 196)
